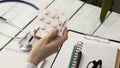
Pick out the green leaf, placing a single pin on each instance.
(106, 6)
(90, 1)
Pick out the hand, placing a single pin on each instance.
(46, 46)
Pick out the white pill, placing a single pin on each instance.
(54, 25)
(41, 17)
(43, 27)
(46, 12)
(53, 16)
(47, 21)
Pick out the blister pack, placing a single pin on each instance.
(49, 19)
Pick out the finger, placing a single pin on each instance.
(64, 37)
(35, 36)
(65, 33)
(35, 31)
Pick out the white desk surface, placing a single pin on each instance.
(3, 40)
(12, 59)
(4, 7)
(110, 28)
(69, 7)
(86, 20)
(41, 4)
(21, 14)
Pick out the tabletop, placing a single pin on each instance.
(82, 17)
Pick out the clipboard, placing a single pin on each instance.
(62, 58)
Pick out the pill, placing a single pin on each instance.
(41, 17)
(47, 21)
(54, 25)
(46, 12)
(53, 16)
(43, 27)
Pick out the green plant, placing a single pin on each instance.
(106, 6)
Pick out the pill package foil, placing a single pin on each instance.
(49, 19)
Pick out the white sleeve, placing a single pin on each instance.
(29, 65)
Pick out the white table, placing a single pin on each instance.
(12, 59)
(83, 18)
(69, 7)
(110, 28)
(5, 7)
(86, 20)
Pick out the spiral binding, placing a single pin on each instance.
(76, 55)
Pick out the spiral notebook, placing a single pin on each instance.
(76, 56)
(93, 49)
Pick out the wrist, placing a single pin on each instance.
(35, 60)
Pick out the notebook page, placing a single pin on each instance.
(96, 49)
